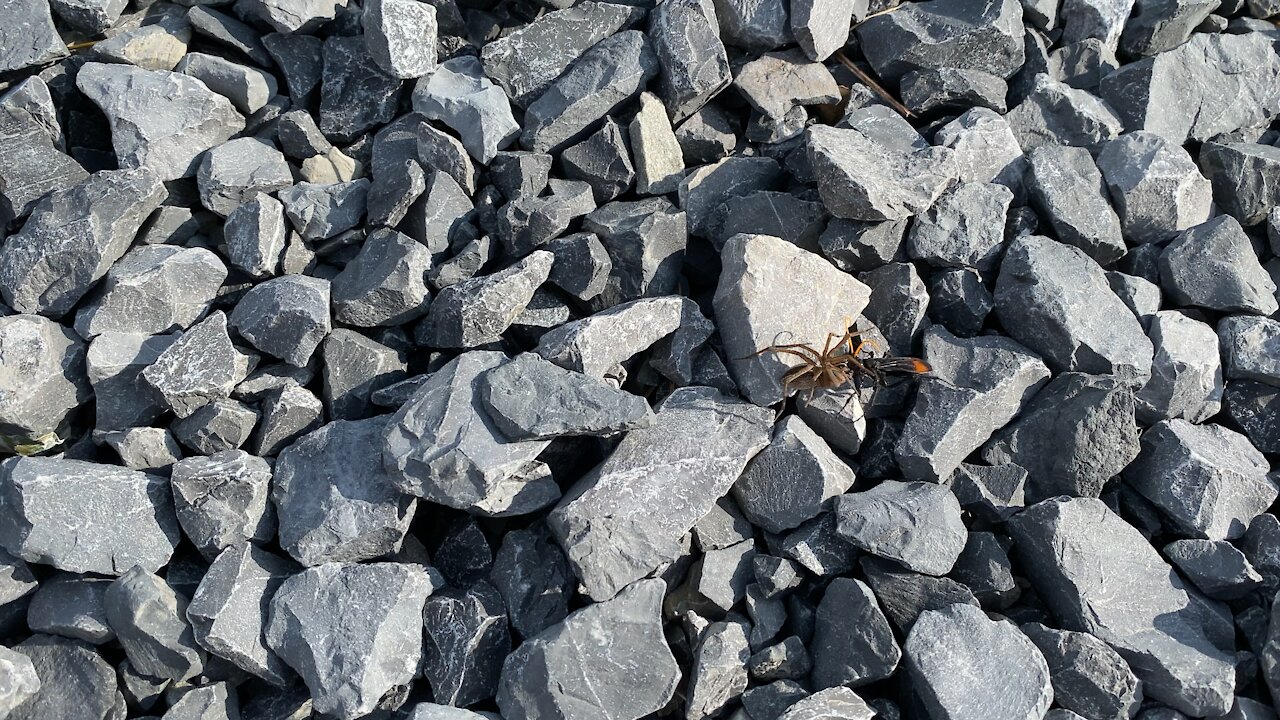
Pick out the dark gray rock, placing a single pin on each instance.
(299, 58)
(718, 674)
(582, 265)
(853, 245)
(248, 88)
(777, 83)
(1083, 63)
(1215, 566)
(596, 345)
(1066, 187)
(401, 36)
(964, 228)
(529, 222)
(873, 177)
(1100, 19)
(691, 475)
(229, 610)
(769, 212)
(959, 301)
(1056, 300)
(355, 367)
(227, 31)
(238, 170)
(756, 26)
(853, 644)
(534, 578)
(1007, 675)
(150, 621)
(222, 500)
(608, 660)
(602, 161)
(787, 660)
(819, 548)
(1213, 266)
(1209, 480)
(904, 594)
(946, 33)
(527, 61)
(356, 95)
(1255, 407)
(384, 284)
(532, 399)
(216, 701)
(754, 313)
(441, 217)
(991, 492)
(292, 16)
(1155, 187)
(983, 383)
(286, 317)
(1056, 113)
(916, 524)
(718, 580)
(686, 38)
(985, 569)
(1186, 372)
(466, 640)
(152, 290)
(709, 134)
(1251, 348)
(792, 479)
(334, 501)
(459, 95)
(29, 37)
(1145, 613)
(34, 164)
(704, 189)
(645, 242)
(1076, 434)
(287, 414)
(43, 376)
(394, 191)
(1141, 296)
(773, 699)
(832, 704)
(926, 90)
(321, 211)
(984, 148)
(442, 446)
(1209, 85)
(71, 680)
(1088, 677)
(1245, 178)
(48, 501)
(605, 76)
(160, 120)
(72, 606)
(114, 365)
(73, 237)
(368, 619)
(517, 173)
(255, 234)
(722, 526)
(478, 310)
(821, 27)
(143, 448)
(1160, 25)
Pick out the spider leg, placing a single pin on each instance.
(791, 349)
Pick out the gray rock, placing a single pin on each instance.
(831, 704)
(1145, 612)
(718, 580)
(158, 46)
(659, 163)
(527, 61)
(319, 212)
(853, 245)
(248, 88)
(334, 501)
(1056, 300)
(384, 284)
(34, 164)
(703, 190)
(286, 317)
(1101, 19)
(582, 265)
(221, 425)
(927, 90)
(1007, 676)
(293, 16)
(718, 674)
(441, 217)
(768, 615)
(916, 524)
(1141, 296)
(709, 135)
(517, 173)
(1088, 676)
(645, 242)
(216, 701)
(770, 212)
(964, 228)
(786, 660)
(904, 594)
(753, 314)
(21, 680)
(143, 448)
(29, 37)
(606, 661)
(1210, 481)
(72, 680)
(1209, 85)
(72, 606)
(792, 479)
(989, 38)
(114, 364)
(959, 301)
(1154, 185)
(1255, 407)
(1213, 266)
(1056, 113)
(864, 177)
(221, 500)
(1215, 566)
(255, 235)
(160, 120)
(777, 83)
(984, 148)
(238, 170)
(819, 548)
(367, 619)
(227, 31)
(459, 95)
(529, 222)
(72, 238)
(597, 344)
(984, 382)
(1245, 178)
(49, 501)
(394, 191)
(722, 526)
(602, 161)
(442, 446)
(613, 497)
(477, 311)
(466, 640)
(431, 711)
(1186, 373)
(754, 26)
(152, 290)
(853, 644)
(530, 398)
(355, 367)
(287, 414)
(821, 27)
(1066, 187)
(356, 95)
(1077, 433)
(613, 71)
(199, 367)
(1251, 348)
(401, 36)
(43, 377)
(1082, 64)
(1160, 25)
(534, 578)
(150, 621)
(984, 568)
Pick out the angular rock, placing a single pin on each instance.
(28, 37)
(1213, 266)
(602, 161)
(150, 621)
(159, 46)
(705, 189)
(776, 83)
(1056, 300)
(613, 71)
(238, 170)
(853, 644)
(755, 26)
(1245, 178)
(1255, 407)
(719, 671)
(1215, 566)
(43, 376)
(334, 500)
(355, 367)
(384, 284)
(287, 414)
(868, 177)
(222, 500)
(160, 120)
(1210, 481)
(1101, 19)
(286, 317)
(659, 164)
(72, 681)
(356, 95)
(916, 524)
(853, 245)
(984, 148)
(223, 424)
(34, 164)
(1186, 372)
(582, 265)
(368, 620)
(821, 27)
(255, 235)
(1056, 113)
(394, 192)
(517, 173)
(401, 36)
(459, 95)
(152, 290)
(1155, 187)
(608, 660)
(227, 31)
(1088, 676)
(1145, 613)
(718, 580)
(752, 313)
(248, 88)
(1077, 433)
(466, 641)
(596, 345)
(1251, 348)
(964, 228)
(792, 479)
(199, 367)
(831, 704)
(114, 364)
(770, 212)
(984, 382)
(1066, 187)
(534, 578)
(645, 242)
(216, 701)
(961, 34)
(924, 91)
(1160, 25)
(693, 60)
(21, 680)
(477, 311)
(72, 606)
(785, 660)
(319, 212)
(959, 301)
(1007, 677)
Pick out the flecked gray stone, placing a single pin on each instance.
(21, 680)
(255, 235)
(43, 376)
(459, 95)
(718, 674)
(73, 681)
(293, 16)
(964, 228)
(963, 34)
(286, 317)
(248, 88)
(529, 222)
(1215, 566)
(534, 578)
(927, 90)
(394, 191)
(959, 300)
(601, 160)
(607, 661)
(865, 177)
(223, 424)
(916, 524)
(984, 382)
(645, 242)
(1186, 372)
(1056, 300)
(478, 310)
(756, 26)
(1066, 187)
(150, 620)
(72, 606)
(1155, 187)
(114, 364)
(222, 500)
(838, 703)
(703, 190)
(1213, 265)
(1255, 407)
(236, 171)
(984, 148)
(199, 367)
(1251, 348)
(319, 212)
(226, 30)
(1245, 178)
(334, 501)
(597, 344)
(401, 36)
(718, 580)
(384, 284)
(853, 245)
(1056, 113)
(776, 83)
(356, 95)
(368, 620)
(160, 120)
(792, 479)
(1088, 676)
(287, 414)
(466, 641)
(1160, 25)
(821, 27)
(152, 290)
(1144, 613)
(34, 163)
(695, 65)
(29, 37)
(853, 644)
(355, 367)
